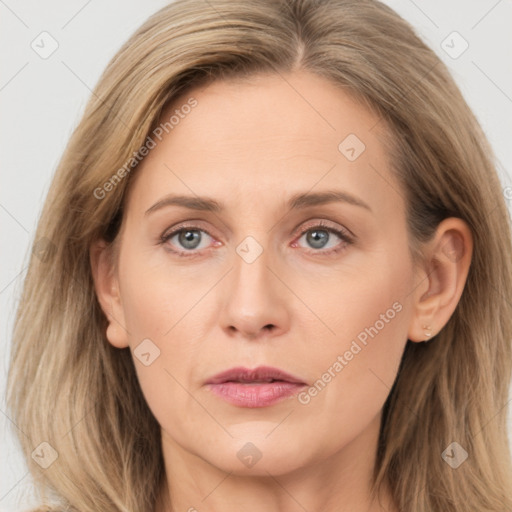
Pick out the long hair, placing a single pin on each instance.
(69, 388)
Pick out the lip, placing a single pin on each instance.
(258, 387)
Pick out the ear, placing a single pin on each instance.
(106, 284)
(441, 278)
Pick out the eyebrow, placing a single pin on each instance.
(296, 202)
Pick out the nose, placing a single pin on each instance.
(255, 300)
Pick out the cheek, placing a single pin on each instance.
(157, 296)
(161, 310)
(355, 372)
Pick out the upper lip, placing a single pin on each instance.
(259, 374)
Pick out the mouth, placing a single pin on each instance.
(258, 387)
(261, 374)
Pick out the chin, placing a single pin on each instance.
(257, 456)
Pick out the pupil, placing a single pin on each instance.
(318, 238)
(187, 239)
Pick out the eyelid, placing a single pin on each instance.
(192, 224)
(326, 224)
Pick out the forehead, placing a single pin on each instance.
(267, 134)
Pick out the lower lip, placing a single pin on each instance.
(255, 395)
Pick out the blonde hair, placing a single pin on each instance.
(69, 387)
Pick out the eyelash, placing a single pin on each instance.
(342, 234)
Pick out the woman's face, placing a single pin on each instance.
(266, 272)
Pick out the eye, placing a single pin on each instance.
(320, 237)
(188, 240)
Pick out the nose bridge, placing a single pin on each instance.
(254, 302)
(251, 276)
(251, 261)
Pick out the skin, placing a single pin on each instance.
(250, 146)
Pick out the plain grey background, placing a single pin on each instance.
(43, 97)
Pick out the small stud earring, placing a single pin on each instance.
(428, 331)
